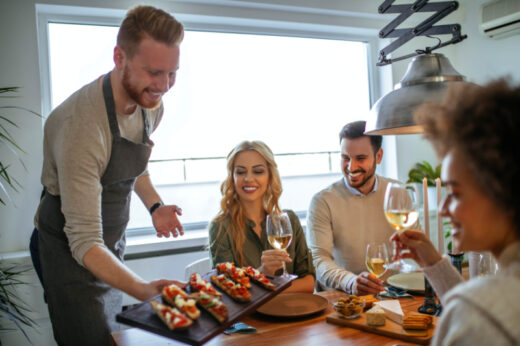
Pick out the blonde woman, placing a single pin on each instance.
(237, 234)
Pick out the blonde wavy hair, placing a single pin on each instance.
(230, 206)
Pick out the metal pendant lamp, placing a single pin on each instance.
(428, 76)
(426, 80)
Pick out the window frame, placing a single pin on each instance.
(112, 17)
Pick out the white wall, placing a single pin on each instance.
(482, 59)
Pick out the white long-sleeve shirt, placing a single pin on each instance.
(482, 311)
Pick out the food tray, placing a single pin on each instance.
(206, 326)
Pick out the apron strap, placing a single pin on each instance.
(146, 132)
(110, 106)
(111, 112)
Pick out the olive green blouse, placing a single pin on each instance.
(221, 249)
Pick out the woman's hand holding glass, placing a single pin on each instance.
(401, 208)
(279, 233)
(272, 260)
(419, 247)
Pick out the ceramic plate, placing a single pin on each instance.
(413, 282)
(294, 305)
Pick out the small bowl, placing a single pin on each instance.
(350, 307)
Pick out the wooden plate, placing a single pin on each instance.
(413, 282)
(294, 305)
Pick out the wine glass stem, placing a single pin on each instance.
(284, 269)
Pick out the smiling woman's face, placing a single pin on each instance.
(478, 224)
(251, 176)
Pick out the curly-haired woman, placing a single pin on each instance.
(476, 130)
(237, 234)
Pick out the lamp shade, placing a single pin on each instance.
(426, 80)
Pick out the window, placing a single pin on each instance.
(293, 93)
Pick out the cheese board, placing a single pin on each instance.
(205, 327)
(391, 328)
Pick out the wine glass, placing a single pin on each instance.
(376, 259)
(401, 209)
(279, 234)
(487, 264)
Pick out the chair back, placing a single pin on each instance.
(201, 266)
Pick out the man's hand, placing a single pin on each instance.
(272, 260)
(367, 283)
(165, 221)
(153, 288)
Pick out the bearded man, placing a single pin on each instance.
(96, 151)
(346, 216)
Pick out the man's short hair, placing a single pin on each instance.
(355, 130)
(147, 21)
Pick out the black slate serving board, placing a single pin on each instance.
(205, 327)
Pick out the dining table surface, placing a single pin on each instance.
(313, 330)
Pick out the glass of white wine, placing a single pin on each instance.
(376, 258)
(279, 234)
(401, 209)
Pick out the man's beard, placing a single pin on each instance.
(136, 95)
(367, 177)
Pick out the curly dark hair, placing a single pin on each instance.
(482, 123)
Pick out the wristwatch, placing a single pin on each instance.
(155, 206)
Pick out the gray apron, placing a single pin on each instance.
(83, 308)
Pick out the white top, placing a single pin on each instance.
(482, 311)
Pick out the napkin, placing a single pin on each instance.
(392, 292)
(240, 327)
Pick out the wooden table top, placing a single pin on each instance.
(306, 331)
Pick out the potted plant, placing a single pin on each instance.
(423, 170)
(11, 306)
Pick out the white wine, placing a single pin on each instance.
(376, 266)
(402, 219)
(280, 242)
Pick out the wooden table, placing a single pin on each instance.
(309, 331)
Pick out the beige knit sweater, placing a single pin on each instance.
(339, 227)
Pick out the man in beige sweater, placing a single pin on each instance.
(344, 217)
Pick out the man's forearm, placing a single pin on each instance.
(334, 276)
(108, 268)
(146, 191)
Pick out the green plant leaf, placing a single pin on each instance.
(11, 305)
(438, 171)
(423, 170)
(8, 89)
(12, 123)
(23, 109)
